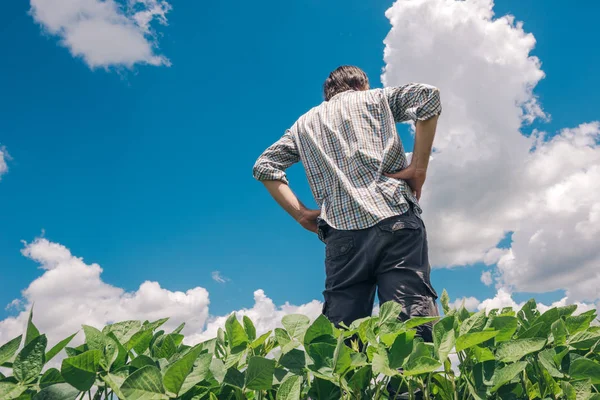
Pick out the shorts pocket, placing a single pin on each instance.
(336, 248)
(407, 220)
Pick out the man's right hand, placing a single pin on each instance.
(308, 219)
(413, 176)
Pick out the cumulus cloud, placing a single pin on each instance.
(105, 33)
(71, 292)
(4, 156)
(487, 178)
(470, 303)
(486, 278)
(265, 315)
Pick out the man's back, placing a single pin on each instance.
(347, 144)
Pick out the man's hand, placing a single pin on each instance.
(308, 219)
(413, 176)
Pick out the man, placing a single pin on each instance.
(367, 193)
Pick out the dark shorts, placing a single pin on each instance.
(390, 257)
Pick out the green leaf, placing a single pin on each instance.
(58, 347)
(579, 323)
(123, 331)
(559, 332)
(515, 350)
(531, 332)
(506, 325)
(418, 321)
(140, 341)
(295, 360)
(401, 349)
(234, 378)
(568, 391)
(30, 360)
(381, 365)
(59, 391)
(217, 369)
(321, 330)
(249, 328)
(259, 375)
(584, 340)
(10, 390)
(361, 378)
(341, 357)
(475, 323)
(144, 384)
(290, 388)
(177, 372)
(258, 342)
(80, 371)
(282, 337)
(141, 361)
(120, 358)
(51, 377)
(322, 356)
(322, 389)
(152, 326)
(8, 350)
(421, 365)
(546, 358)
(114, 382)
(444, 337)
(528, 313)
(296, 325)
(445, 300)
(506, 374)
(584, 368)
(238, 339)
(548, 318)
(164, 347)
(389, 311)
(583, 389)
(471, 339)
(482, 354)
(31, 332)
(109, 347)
(94, 339)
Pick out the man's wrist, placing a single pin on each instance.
(299, 214)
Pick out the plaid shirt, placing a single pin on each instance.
(346, 145)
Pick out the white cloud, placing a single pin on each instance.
(71, 292)
(265, 315)
(470, 303)
(502, 299)
(103, 32)
(488, 179)
(217, 277)
(486, 278)
(4, 156)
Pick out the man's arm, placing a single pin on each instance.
(270, 170)
(416, 172)
(422, 104)
(284, 196)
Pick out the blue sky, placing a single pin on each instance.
(147, 170)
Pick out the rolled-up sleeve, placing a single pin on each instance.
(414, 101)
(271, 165)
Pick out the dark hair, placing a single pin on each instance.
(346, 77)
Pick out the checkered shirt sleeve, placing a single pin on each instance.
(271, 165)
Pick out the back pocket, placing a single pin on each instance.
(338, 247)
(407, 220)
